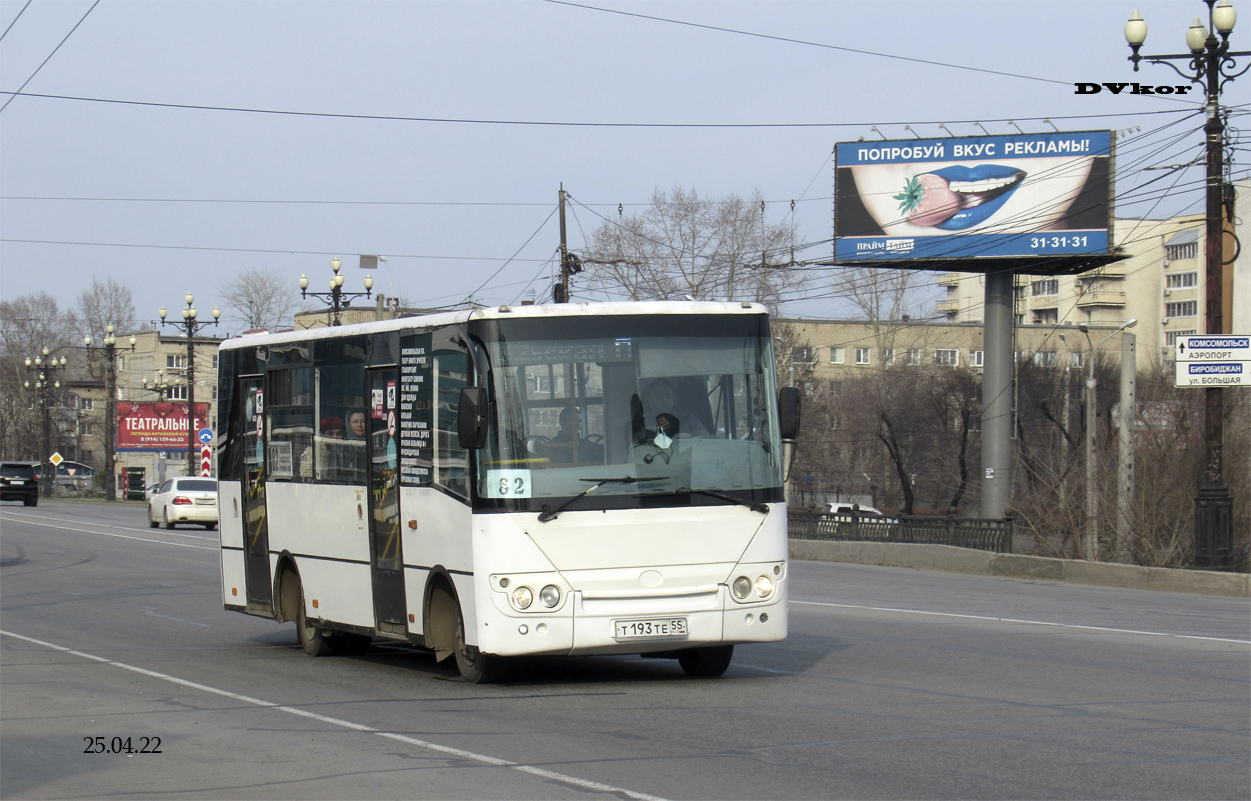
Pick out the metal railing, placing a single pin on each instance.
(984, 535)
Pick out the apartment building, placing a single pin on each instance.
(1162, 283)
(835, 350)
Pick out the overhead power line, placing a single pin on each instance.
(805, 42)
(50, 55)
(549, 123)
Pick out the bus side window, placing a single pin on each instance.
(290, 413)
(451, 372)
(338, 455)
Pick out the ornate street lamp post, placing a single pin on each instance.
(190, 325)
(44, 372)
(336, 298)
(110, 408)
(1211, 65)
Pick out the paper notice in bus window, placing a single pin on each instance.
(280, 460)
(508, 483)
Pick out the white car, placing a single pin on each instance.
(848, 508)
(184, 500)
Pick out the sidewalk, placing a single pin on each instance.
(985, 563)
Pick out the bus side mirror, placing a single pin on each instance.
(471, 419)
(788, 412)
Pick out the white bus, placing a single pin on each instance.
(535, 480)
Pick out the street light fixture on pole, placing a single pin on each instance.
(110, 409)
(1211, 65)
(190, 326)
(44, 371)
(1091, 545)
(336, 298)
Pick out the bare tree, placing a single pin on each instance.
(684, 245)
(28, 324)
(105, 302)
(260, 297)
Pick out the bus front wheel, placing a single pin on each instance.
(475, 667)
(706, 662)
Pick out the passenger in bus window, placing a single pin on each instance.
(332, 427)
(568, 445)
(659, 401)
(357, 420)
(356, 424)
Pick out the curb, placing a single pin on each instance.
(984, 563)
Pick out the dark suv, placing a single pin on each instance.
(18, 482)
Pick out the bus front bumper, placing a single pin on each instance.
(585, 626)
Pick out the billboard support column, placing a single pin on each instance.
(997, 396)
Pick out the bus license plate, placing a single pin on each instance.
(647, 629)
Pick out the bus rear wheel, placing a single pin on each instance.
(708, 662)
(311, 637)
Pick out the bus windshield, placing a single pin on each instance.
(655, 410)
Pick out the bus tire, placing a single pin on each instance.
(475, 667)
(312, 639)
(708, 662)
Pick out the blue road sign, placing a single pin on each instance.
(206, 435)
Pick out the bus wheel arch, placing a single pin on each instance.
(287, 589)
(445, 633)
(442, 611)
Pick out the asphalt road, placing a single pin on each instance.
(893, 684)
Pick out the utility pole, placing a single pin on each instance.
(1125, 463)
(110, 413)
(561, 293)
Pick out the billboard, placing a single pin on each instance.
(1015, 195)
(157, 425)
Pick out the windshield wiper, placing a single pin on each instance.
(550, 514)
(755, 507)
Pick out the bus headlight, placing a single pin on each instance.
(764, 586)
(741, 587)
(522, 597)
(549, 596)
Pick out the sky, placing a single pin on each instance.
(280, 135)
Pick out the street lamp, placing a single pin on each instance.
(190, 325)
(110, 411)
(1091, 545)
(44, 370)
(1211, 65)
(336, 298)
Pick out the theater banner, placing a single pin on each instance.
(156, 425)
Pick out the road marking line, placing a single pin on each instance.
(488, 760)
(1027, 622)
(122, 536)
(167, 532)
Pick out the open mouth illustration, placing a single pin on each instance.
(955, 198)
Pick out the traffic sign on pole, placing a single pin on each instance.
(206, 436)
(1212, 374)
(206, 460)
(1214, 348)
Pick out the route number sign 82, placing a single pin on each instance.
(508, 483)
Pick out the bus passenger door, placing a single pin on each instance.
(386, 557)
(255, 527)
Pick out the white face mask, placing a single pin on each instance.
(662, 440)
